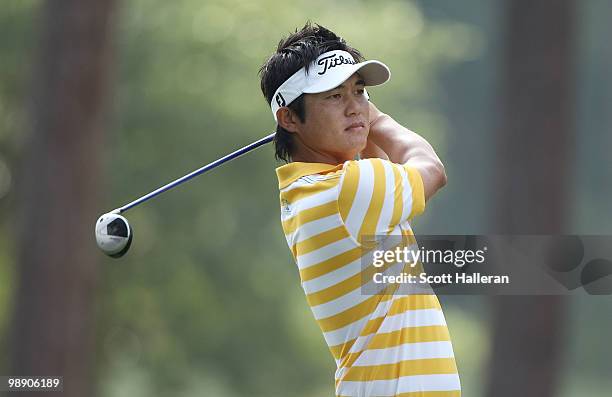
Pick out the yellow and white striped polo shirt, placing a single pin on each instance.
(386, 344)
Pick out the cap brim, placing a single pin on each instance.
(373, 73)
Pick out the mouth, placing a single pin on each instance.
(355, 127)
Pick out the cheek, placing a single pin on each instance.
(326, 124)
(316, 132)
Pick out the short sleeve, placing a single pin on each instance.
(418, 191)
(377, 195)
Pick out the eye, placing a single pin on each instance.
(335, 96)
(361, 91)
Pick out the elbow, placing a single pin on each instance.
(438, 175)
(436, 181)
(442, 178)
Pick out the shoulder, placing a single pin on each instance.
(375, 170)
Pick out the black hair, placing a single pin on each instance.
(297, 50)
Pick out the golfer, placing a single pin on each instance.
(352, 172)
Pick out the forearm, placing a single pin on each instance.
(403, 146)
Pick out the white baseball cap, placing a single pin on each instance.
(327, 72)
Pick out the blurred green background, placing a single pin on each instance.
(208, 301)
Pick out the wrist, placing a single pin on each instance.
(377, 132)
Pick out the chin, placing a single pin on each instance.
(353, 144)
(361, 144)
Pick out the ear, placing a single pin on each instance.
(287, 119)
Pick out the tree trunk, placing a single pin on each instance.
(60, 177)
(533, 167)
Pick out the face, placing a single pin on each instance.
(336, 124)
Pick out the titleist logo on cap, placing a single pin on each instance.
(333, 60)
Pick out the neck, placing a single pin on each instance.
(306, 154)
(318, 157)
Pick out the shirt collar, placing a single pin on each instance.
(288, 173)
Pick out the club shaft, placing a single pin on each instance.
(195, 173)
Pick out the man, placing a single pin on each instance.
(386, 343)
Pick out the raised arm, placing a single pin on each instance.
(403, 146)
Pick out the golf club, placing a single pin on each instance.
(113, 231)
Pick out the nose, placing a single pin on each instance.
(353, 105)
